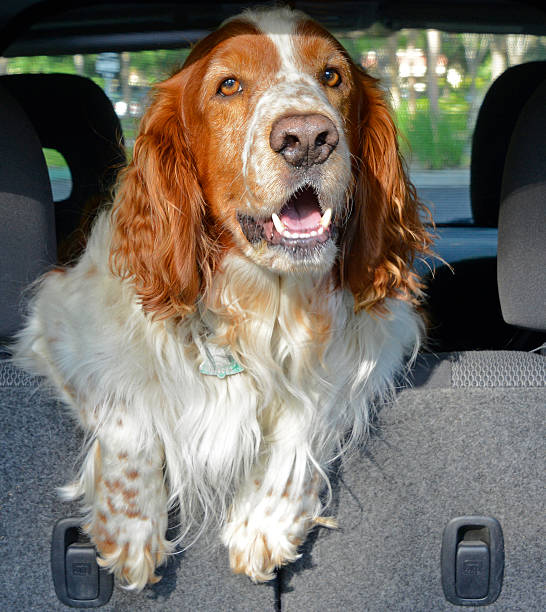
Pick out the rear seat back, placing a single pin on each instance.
(463, 303)
(27, 228)
(40, 444)
(72, 115)
(522, 220)
(495, 123)
(465, 437)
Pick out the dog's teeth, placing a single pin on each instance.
(279, 226)
(313, 233)
(326, 218)
(320, 230)
(287, 234)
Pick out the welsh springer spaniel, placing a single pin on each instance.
(238, 310)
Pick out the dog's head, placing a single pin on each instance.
(271, 142)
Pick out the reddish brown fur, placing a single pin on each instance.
(111, 507)
(385, 233)
(97, 464)
(165, 238)
(159, 212)
(132, 511)
(169, 228)
(113, 486)
(319, 50)
(129, 494)
(107, 547)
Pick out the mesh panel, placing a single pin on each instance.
(499, 369)
(10, 376)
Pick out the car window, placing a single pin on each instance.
(435, 109)
(59, 174)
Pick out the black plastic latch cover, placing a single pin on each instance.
(79, 581)
(472, 560)
(472, 569)
(82, 571)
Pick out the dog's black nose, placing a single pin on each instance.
(304, 140)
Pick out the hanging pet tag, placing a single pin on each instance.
(218, 362)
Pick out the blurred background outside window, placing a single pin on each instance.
(435, 82)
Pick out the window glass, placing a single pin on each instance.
(59, 174)
(435, 81)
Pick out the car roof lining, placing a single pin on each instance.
(50, 27)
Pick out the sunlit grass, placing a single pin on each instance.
(435, 144)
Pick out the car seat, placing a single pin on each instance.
(27, 232)
(463, 303)
(38, 440)
(72, 115)
(467, 438)
(464, 441)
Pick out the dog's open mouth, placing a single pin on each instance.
(300, 224)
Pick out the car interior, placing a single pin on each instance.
(443, 507)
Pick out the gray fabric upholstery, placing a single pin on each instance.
(494, 125)
(430, 370)
(522, 220)
(39, 448)
(459, 321)
(27, 231)
(478, 369)
(439, 452)
(73, 115)
(10, 376)
(436, 454)
(498, 369)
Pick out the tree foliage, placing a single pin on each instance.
(466, 65)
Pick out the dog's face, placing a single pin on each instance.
(270, 142)
(272, 103)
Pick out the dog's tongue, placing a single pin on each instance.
(301, 212)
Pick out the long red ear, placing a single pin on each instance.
(159, 239)
(384, 233)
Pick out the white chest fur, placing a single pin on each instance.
(229, 446)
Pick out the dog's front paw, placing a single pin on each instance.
(126, 502)
(257, 552)
(265, 529)
(130, 547)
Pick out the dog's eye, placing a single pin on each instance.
(331, 77)
(229, 87)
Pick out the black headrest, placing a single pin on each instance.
(74, 116)
(27, 228)
(498, 114)
(522, 220)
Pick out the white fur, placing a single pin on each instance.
(283, 419)
(292, 92)
(249, 452)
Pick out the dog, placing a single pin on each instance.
(241, 306)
